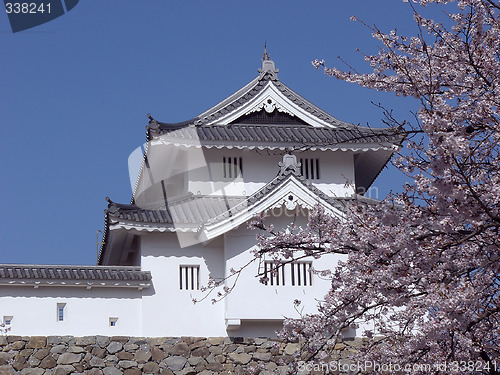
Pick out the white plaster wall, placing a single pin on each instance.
(87, 312)
(169, 311)
(252, 300)
(260, 167)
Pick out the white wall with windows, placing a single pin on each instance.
(252, 302)
(243, 172)
(67, 310)
(178, 273)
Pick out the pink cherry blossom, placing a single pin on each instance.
(423, 265)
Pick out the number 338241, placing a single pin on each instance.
(27, 8)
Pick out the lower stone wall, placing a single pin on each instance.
(100, 355)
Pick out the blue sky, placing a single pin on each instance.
(75, 93)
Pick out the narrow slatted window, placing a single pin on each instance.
(189, 277)
(274, 273)
(297, 273)
(232, 167)
(309, 168)
(301, 273)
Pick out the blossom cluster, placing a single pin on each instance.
(423, 265)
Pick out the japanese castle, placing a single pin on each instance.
(264, 150)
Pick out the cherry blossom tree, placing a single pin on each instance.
(423, 265)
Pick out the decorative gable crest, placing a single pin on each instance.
(289, 163)
(269, 104)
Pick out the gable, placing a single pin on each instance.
(276, 97)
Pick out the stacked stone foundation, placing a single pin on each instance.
(102, 355)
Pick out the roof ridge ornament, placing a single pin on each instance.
(268, 64)
(265, 56)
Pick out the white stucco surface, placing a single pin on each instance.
(86, 312)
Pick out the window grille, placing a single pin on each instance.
(309, 168)
(294, 274)
(233, 167)
(274, 273)
(189, 277)
(301, 273)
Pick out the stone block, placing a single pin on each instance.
(156, 341)
(181, 349)
(76, 349)
(214, 366)
(240, 358)
(127, 364)
(99, 352)
(58, 349)
(112, 371)
(20, 362)
(215, 350)
(85, 340)
(37, 342)
(17, 345)
(41, 353)
(7, 370)
(262, 356)
(122, 339)
(114, 346)
(151, 368)
(123, 355)
(175, 362)
(142, 356)
(32, 371)
(201, 352)
(48, 362)
(102, 341)
(194, 361)
(69, 358)
(215, 340)
(97, 362)
(63, 370)
(5, 358)
(54, 340)
(130, 347)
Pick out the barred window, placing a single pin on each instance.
(309, 168)
(189, 277)
(301, 273)
(293, 274)
(233, 167)
(274, 273)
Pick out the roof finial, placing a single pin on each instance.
(265, 56)
(267, 63)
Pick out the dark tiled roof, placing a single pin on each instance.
(197, 210)
(281, 135)
(80, 273)
(204, 128)
(190, 210)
